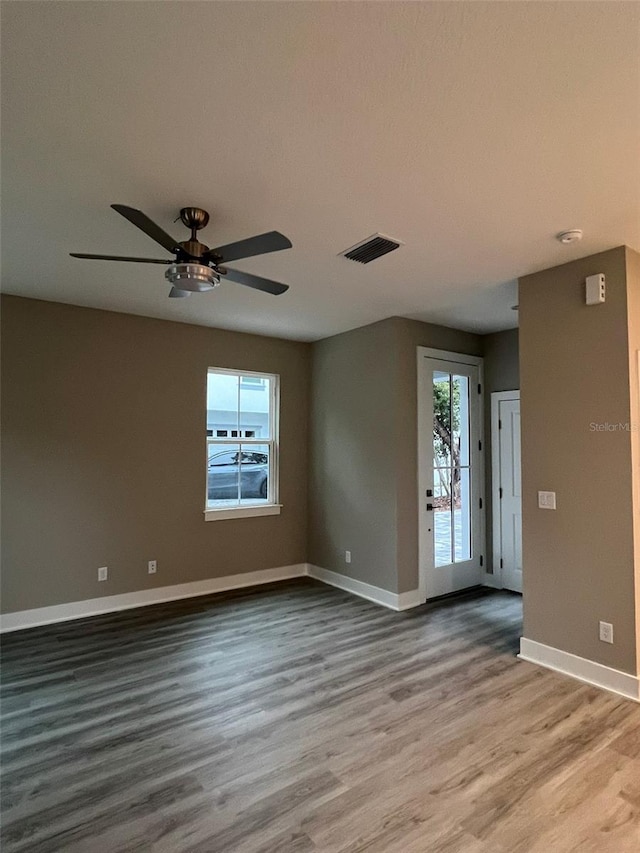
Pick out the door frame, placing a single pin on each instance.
(496, 552)
(423, 446)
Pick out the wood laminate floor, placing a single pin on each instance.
(296, 718)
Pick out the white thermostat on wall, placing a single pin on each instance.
(595, 289)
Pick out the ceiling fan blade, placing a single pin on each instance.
(176, 293)
(119, 258)
(142, 221)
(255, 281)
(261, 244)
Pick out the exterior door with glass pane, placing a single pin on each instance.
(451, 475)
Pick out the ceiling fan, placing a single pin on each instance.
(196, 268)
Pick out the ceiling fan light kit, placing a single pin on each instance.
(196, 268)
(195, 278)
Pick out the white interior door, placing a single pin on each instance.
(507, 484)
(450, 473)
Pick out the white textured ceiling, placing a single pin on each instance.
(473, 132)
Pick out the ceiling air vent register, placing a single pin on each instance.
(373, 247)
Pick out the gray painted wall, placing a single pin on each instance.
(363, 476)
(102, 430)
(633, 310)
(103, 454)
(574, 370)
(352, 479)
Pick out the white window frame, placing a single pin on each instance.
(271, 507)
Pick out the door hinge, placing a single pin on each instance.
(499, 424)
(479, 445)
(479, 388)
(500, 492)
(480, 503)
(481, 560)
(501, 563)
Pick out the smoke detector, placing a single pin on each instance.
(571, 236)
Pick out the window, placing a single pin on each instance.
(242, 444)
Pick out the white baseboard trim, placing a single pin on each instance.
(21, 619)
(407, 600)
(392, 600)
(110, 603)
(492, 581)
(583, 669)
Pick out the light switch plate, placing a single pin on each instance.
(546, 500)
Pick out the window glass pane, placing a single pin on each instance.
(460, 419)
(252, 381)
(239, 411)
(222, 403)
(442, 517)
(441, 419)
(223, 474)
(255, 401)
(254, 473)
(462, 514)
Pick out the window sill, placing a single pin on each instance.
(241, 512)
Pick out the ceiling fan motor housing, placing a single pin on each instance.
(191, 249)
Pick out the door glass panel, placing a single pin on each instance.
(451, 469)
(441, 419)
(442, 530)
(462, 515)
(460, 419)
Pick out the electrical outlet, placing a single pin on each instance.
(103, 573)
(347, 556)
(606, 632)
(153, 567)
(546, 500)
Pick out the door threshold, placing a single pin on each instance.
(460, 593)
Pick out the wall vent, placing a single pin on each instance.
(373, 247)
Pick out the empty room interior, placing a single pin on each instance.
(320, 407)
